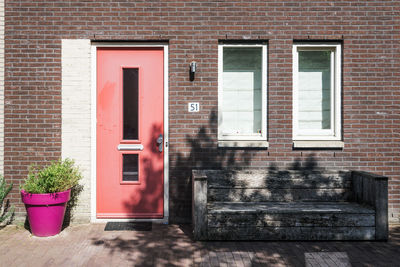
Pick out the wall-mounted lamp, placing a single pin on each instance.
(192, 70)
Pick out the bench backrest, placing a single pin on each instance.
(263, 186)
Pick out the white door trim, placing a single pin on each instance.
(94, 46)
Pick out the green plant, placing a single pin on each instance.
(59, 176)
(6, 210)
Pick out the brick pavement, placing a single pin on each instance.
(171, 245)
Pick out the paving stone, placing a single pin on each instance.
(172, 245)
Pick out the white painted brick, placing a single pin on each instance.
(76, 120)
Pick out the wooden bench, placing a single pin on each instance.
(289, 205)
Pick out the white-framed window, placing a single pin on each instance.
(317, 91)
(242, 92)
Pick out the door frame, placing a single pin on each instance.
(93, 185)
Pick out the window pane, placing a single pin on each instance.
(241, 107)
(130, 167)
(315, 90)
(130, 103)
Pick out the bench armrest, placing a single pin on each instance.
(199, 204)
(372, 189)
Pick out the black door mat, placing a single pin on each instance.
(128, 226)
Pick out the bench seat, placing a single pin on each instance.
(290, 220)
(311, 206)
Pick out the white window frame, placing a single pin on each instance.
(243, 137)
(333, 134)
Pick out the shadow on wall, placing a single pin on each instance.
(75, 192)
(151, 196)
(172, 245)
(301, 182)
(202, 153)
(305, 181)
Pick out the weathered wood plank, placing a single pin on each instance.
(289, 207)
(259, 195)
(294, 205)
(381, 208)
(284, 179)
(288, 220)
(287, 184)
(372, 189)
(292, 233)
(284, 183)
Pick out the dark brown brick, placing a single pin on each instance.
(371, 79)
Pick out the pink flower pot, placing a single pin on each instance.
(45, 211)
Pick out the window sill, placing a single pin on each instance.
(248, 144)
(318, 144)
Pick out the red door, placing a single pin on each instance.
(130, 107)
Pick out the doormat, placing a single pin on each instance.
(128, 226)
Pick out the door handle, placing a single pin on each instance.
(160, 142)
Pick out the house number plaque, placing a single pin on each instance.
(193, 107)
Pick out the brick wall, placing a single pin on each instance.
(1, 87)
(371, 70)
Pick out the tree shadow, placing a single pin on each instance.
(301, 185)
(319, 184)
(170, 245)
(148, 197)
(165, 245)
(302, 181)
(201, 152)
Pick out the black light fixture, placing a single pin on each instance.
(192, 70)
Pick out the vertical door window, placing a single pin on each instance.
(130, 103)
